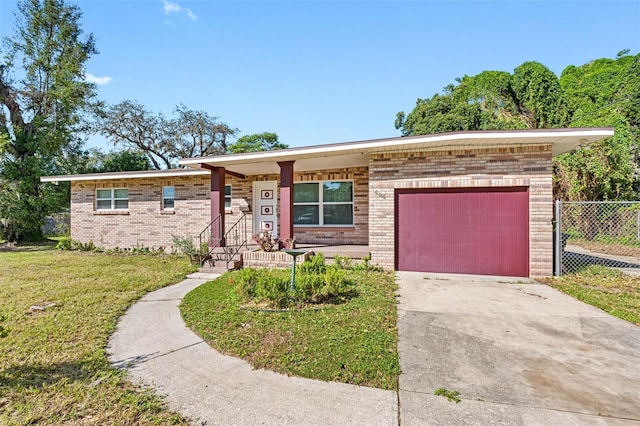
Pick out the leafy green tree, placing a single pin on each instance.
(45, 100)
(165, 140)
(266, 141)
(598, 94)
(124, 161)
(603, 93)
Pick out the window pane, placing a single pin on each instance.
(227, 196)
(168, 203)
(338, 214)
(168, 192)
(306, 215)
(122, 204)
(305, 193)
(337, 192)
(121, 193)
(103, 193)
(103, 204)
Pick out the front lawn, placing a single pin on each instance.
(608, 289)
(352, 342)
(53, 365)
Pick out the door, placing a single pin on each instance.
(264, 207)
(464, 230)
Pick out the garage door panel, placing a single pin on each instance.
(478, 231)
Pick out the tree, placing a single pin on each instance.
(266, 141)
(43, 110)
(165, 140)
(602, 93)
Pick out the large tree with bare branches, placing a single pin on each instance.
(188, 133)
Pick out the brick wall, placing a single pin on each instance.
(528, 166)
(146, 224)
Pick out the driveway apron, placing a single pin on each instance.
(516, 351)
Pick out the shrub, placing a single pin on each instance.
(273, 286)
(307, 286)
(315, 283)
(247, 280)
(315, 265)
(64, 243)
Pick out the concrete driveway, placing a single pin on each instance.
(518, 353)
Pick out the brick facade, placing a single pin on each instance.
(528, 166)
(145, 224)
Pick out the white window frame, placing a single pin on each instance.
(321, 203)
(112, 199)
(227, 198)
(164, 207)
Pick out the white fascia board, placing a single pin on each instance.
(549, 136)
(124, 175)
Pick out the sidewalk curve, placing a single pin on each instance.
(156, 348)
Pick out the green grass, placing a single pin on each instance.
(608, 289)
(353, 342)
(53, 365)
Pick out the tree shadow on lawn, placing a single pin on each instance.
(28, 246)
(38, 375)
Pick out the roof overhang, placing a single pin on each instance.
(356, 154)
(125, 175)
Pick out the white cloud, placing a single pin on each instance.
(170, 7)
(100, 81)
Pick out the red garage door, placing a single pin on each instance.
(468, 231)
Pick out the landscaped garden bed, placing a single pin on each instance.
(339, 324)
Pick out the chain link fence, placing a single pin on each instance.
(597, 233)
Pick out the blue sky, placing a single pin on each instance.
(329, 71)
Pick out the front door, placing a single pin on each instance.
(264, 207)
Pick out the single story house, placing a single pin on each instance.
(468, 202)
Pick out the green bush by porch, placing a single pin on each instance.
(352, 342)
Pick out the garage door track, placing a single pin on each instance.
(517, 352)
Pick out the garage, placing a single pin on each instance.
(463, 230)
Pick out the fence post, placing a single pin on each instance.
(558, 238)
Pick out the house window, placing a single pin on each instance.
(327, 203)
(168, 197)
(227, 196)
(112, 199)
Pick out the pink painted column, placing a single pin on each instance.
(217, 203)
(286, 199)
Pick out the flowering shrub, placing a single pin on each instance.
(266, 241)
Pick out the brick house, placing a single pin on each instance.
(468, 202)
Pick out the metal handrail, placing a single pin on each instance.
(206, 236)
(235, 239)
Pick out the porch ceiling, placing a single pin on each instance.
(356, 154)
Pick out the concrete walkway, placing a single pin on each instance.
(157, 349)
(519, 353)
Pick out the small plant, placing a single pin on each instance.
(266, 241)
(186, 247)
(64, 244)
(315, 265)
(288, 243)
(450, 395)
(4, 332)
